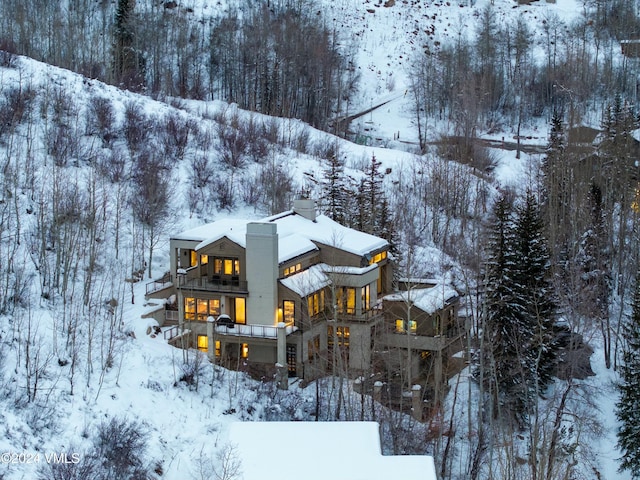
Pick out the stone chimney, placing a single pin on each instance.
(262, 273)
(305, 207)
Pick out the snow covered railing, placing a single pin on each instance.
(259, 331)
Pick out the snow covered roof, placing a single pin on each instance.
(429, 300)
(328, 232)
(307, 281)
(296, 235)
(233, 228)
(320, 450)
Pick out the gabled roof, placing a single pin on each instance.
(297, 235)
(328, 232)
(429, 300)
(307, 281)
(320, 451)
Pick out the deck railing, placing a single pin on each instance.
(159, 283)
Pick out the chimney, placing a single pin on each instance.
(262, 273)
(305, 207)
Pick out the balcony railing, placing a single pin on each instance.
(160, 283)
(216, 283)
(256, 331)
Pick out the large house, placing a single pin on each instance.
(295, 292)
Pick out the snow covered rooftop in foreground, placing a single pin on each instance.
(321, 451)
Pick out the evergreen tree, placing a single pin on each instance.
(128, 63)
(628, 407)
(372, 197)
(334, 188)
(534, 281)
(519, 308)
(505, 331)
(555, 187)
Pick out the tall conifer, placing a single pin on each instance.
(628, 407)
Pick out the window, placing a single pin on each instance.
(204, 259)
(346, 300)
(366, 298)
(437, 325)
(189, 308)
(378, 257)
(218, 348)
(201, 308)
(203, 343)
(289, 310)
(226, 266)
(244, 352)
(401, 326)
(315, 303)
(240, 307)
(193, 258)
(292, 269)
(342, 334)
(313, 348)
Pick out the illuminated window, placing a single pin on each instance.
(203, 308)
(240, 310)
(366, 298)
(193, 258)
(203, 343)
(245, 350)
(292, 269)
(342, 334)
(288, 310)
(204, 259)
(218, 348)
(315, 303)
(346, 300)
(401, 326)
(189, 308)
(377, 258)
(226, 266)
(214, 306)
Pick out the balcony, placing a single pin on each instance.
(421, 342)
(253, 331)
(215, 283)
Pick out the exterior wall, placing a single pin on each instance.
(262, 273)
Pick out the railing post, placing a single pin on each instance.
(282, 373)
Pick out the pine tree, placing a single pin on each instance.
(334, 188)
(372, 196)
(505, 330)
(520, 308)
(555, 186)
(536, 291)
(628, 407)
